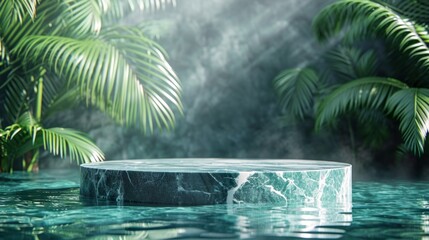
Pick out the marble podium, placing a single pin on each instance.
(193, 181)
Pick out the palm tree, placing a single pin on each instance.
(401, 94)
(56, 53)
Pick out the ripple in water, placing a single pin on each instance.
(47, 206)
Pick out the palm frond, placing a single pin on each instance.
(356, 33)
(386, 23)
(21, 137)
(16, 142)
(13, 31)
(370, 92)
(411, 106)
(79, 18)
(373, 126)
(341, 14)
(16, 93)
(58, 95)
(74, 144)
(296, 89)
(352, 63)
(62, 99)
(126, 75)
(83, 17)
(407, 69)
(4, 54)
(148, 60)
(30, 127)
(114, 10)
(17, 10)
(27, 135)
(26, 120)
(412, 9)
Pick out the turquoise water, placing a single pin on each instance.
(47, 206)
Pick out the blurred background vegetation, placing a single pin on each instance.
(56, 54)
(373, 85)
(332, 80)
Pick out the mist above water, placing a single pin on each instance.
(227, 53)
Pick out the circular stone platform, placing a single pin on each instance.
(217, 181)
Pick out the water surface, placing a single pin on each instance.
(47, 206)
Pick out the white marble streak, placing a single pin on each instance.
(240, 180)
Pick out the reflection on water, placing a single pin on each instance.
(47, 206)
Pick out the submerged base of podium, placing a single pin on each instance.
(218, 181)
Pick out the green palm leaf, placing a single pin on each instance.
(12, 32)
(126, 75)
(49, 62)
(61, 100)
(296, 89)
(374, 126)
(412, 9)
(84, 17)
(69, 142)
(15, 100)
(411, 107)
(17, 10)
(27, 135)
(358, 32)
(342, 14)
(370, 92)
(385, 21)
(57, 95)
(4, 55)
(352, 63)
(114, 10)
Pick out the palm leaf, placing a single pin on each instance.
(17, 10)
(114, 10)
(126, 75)
(79, 18)
(412, 9)
(82, 17)
(356, 33)
(74, 144)
(21, 137)
(352, 63)
(342, 14)
(370, 92)
(296, 89)
(15, 99)
(411, 107)
(4, 55)
(26, 120)
(27, 135)
(57, 95)
(30, 127)
(373, 125)
(17, 142)
(399, 31)
(11, 32)
(62, 99)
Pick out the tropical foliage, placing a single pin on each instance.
(363, 87)
(57, 53)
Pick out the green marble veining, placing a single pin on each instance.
(218, 181)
